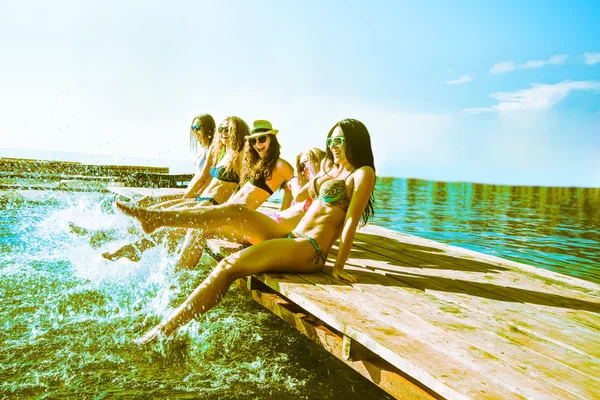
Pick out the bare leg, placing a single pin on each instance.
(173, 204)
(235, 215)
(191, 251)
(134, 250)
(278, 255)
(97, 237)
(149, 201)
(193, 247)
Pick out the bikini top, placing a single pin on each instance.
(261, 183)
(224, 175)
(332, 192)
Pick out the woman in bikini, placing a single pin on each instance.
(222, 167)
(202, 133)
(263, 172)
(343, 194)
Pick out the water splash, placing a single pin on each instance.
(69, 317)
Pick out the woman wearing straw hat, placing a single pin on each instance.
(342, 196)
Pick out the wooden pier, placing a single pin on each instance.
(31, 174)
(429, 320)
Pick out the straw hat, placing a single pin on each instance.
(262, 127)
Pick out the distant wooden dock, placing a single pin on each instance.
(429, 320)
(31, 174)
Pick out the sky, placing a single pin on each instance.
(478, 91)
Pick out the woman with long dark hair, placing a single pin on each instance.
(342, 195)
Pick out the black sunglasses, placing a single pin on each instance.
(261, 139)
(302, 166)
(223, 129)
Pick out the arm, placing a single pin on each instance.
(294, 185)
(284, 172)
(303, 193)
(364, 182)
(286, 202)
(200, 179)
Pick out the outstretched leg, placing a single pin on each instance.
(192, 250)
(248, 222)
(134, 250)
(276, 255)
(195, 242)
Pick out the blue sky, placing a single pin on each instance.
(497, 92)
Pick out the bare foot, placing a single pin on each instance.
(143, 215)
(127, 251)
(150, 337)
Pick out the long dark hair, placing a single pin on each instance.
(206, 131)
(256, 167)
(359, 154)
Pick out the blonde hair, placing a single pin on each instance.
(238, 130)
(315, 156)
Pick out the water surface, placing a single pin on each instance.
(68, 316)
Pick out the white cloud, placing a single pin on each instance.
(462, 79)
(538, 97)
(592, 58)
(554, 60)
(507, 66)
(502, 67)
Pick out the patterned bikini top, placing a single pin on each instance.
(332, 192)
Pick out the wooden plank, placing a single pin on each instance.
(433, 369)
(550, 310)
(485, 303)
(456, 316)
(402, 309)
(376, 370)
(533, 272)
(524, 382)
(487, 270)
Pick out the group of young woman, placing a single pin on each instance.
(237, 171)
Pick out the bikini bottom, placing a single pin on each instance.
(318, 257)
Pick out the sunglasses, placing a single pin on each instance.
(302, 166)
(223, 129)
(260, 139)
(337, 141)
(196, 127)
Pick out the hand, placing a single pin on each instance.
(345, 276)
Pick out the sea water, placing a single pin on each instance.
(68, 316)
(554, 228)
(68, 319)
